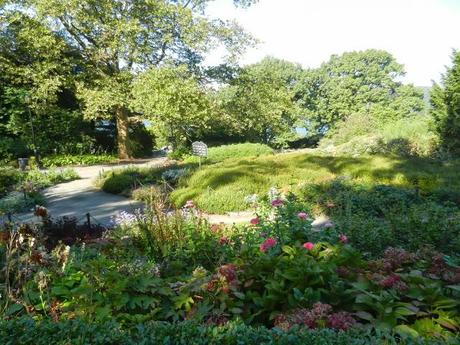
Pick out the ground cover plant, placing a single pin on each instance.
(277, 275)
(118, 181)
(223, 186)
(72, 159)
(21, 190)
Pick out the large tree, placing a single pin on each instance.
(445, 106)
(175, 101)
(35, 82)
(119, 38)
(357, 82)
(261, 100)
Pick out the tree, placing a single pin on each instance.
(35, 75)
(119, 38)
(261, 100)
(445, 106)
(357, 82)
(173, 99)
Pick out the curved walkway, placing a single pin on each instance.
(79, 197)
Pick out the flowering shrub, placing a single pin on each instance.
(277, 271)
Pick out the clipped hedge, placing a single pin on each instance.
(26, 331)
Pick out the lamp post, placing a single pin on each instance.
(34, 142)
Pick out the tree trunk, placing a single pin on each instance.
(122, 133)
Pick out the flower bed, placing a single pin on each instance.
(277, 272)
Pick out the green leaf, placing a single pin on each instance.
(405, 330)
(364, 315)
(14, 308)
(288, 250)
(239, 295)
(236, 310)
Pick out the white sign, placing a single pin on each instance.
(200, 149)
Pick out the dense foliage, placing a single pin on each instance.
(29, 332)
(277, 271)
(20, 191)
(445, 101)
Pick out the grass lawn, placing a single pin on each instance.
(222, 187)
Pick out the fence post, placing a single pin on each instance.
(88, 220)
(9, 217)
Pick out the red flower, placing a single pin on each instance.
(229, 272)
(277, 203)
(343, 238)
(340, 321)
(223, 240)
(267, 244)
(302, 215)
(308, 245)
(254, 221)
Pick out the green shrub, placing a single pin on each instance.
(117, 181)
(221, 153)
(15, 202)
(8, 178)
(359, 134)
(83, 159)
(29, 332)
(30, 183)
(377, 217)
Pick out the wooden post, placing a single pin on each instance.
(88, 220)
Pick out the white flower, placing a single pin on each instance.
(250, 199)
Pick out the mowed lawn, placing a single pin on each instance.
(222, 187)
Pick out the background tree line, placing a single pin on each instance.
(65, 66)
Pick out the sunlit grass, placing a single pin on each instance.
(222, 187)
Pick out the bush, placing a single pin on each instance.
(8, 178)
(15, 202)
(28, 332)
(377, 217)
(26, 190)
(359, 134)
(117, 181)
(221, 153)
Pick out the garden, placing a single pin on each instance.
(275, 279)
(339, 183)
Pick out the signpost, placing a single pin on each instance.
(199, 149)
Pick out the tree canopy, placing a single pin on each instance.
(119, 39)
(445, 102)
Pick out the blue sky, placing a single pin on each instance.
(419, 33)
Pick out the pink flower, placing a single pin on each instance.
(267, 244)
(277, 203)
(343, 238)
(223, 240)
(254, 221)
(189, 204)
(308, 245)
(302, 215)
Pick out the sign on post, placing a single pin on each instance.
(199, 149)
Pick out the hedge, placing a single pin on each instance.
(27, 331)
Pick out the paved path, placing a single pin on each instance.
(78, 197)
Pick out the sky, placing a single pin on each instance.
(419, 33)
